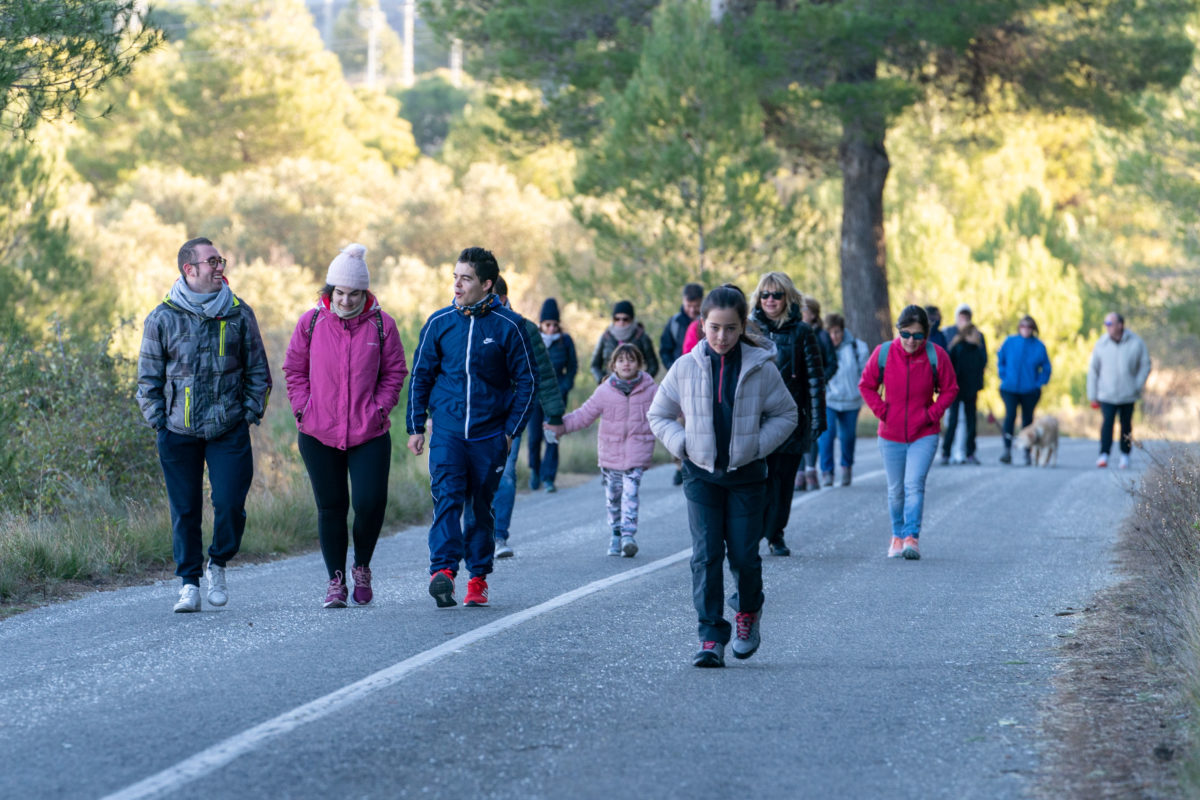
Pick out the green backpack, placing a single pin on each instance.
(930, 351)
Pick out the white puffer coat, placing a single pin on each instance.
(764, 413)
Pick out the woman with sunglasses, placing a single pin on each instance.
(1024, 369)
(918, 385)
(777, 313)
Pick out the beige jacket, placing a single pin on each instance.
(764, 414)
(1118, 370)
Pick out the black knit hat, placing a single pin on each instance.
(549, 310)
(623, 307)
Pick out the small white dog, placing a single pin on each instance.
(1041, 435)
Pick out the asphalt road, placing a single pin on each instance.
(876, 677)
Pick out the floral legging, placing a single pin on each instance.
(621, 497)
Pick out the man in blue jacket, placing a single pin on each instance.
(474, 377)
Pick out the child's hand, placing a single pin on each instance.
(557, 430)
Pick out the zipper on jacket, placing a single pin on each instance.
(221, 343)
(907, 395)
(721, 379)
(467, 369)
(187, 406)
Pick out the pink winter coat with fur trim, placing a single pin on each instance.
(342, 384)
(625, 440)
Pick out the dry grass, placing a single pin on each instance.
(1122, 720)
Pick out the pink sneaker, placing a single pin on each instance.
(335, 595)
(912, 550)
(896, 547)
(362, 585)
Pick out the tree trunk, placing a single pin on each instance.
(863, 159)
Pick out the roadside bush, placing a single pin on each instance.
(69, 424)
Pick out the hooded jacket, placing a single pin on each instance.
(842, 392)
(1023, 364)
(764, 414)
(342, 380)
(800, 363)
(969, 357)
(202, 376)
(475, 372)
(608, 343)
(908, 409)
(1118, 370)
(624, 440)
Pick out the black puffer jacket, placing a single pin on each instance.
(800, 364)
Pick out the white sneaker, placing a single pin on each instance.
(1124, 462)
(1102, 461)
(218, 595)
(189, 599)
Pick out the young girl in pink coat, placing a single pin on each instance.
(625, 442)
(344, 369)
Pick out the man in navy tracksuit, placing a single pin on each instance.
(474, 370)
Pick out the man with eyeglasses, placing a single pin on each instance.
(1116, 377)
(625, 329)
(203, 379)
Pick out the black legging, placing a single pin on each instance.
(367, 466)
(1026, 400)
(968, 403)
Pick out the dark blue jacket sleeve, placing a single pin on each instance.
(426, 365)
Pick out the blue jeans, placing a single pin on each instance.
(230, 469)
(907, 465)
(841, 425)
(506, 497)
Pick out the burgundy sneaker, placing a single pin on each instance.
(477, 592)
(335, 595)
(362, 585)
(441, 588)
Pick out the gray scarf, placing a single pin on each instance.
(623, 334)
(352, 313)
(211, 306)
(550, 338)
(626, 387)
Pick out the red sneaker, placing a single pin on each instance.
(477, 592)
(441, 588)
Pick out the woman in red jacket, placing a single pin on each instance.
(344, 369)
(918, 385)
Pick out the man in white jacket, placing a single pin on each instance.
(1116, 376)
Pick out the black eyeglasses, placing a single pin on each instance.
(910, 335)
(214, 262)
(773, 295)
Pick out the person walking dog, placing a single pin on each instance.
(344, 369)
(738, 411)
(909, 383)
(203, 380)
(1024, 368)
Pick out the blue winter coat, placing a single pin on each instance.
(1023, 363)
(476, 374)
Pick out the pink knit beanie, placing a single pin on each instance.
(349, 268)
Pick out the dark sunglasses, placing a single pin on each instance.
(909, 335)
(774, 295)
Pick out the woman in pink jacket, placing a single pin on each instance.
(344, 370)
(918, 385)
(625, 442)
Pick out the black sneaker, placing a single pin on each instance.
(710, 654)
(779, 548)
(945, 461)
(678, 479)
(971, 459)
(441, 588)
(1006, 458)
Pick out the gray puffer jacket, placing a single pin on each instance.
(764, 413)
(202, 376)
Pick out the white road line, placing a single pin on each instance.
(213, 758)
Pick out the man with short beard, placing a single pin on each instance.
(203, 379)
